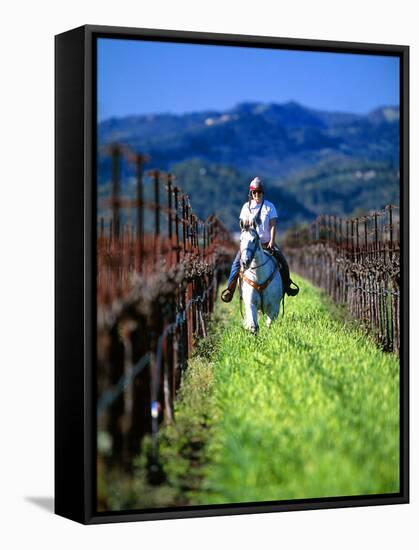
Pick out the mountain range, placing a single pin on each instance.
(312, 161)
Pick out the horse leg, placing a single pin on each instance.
(271, 312)
(251, 314)
(254, 327)
(271, 316)
(271, 303)
(251, 318)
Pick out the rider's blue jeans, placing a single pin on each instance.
(235, 268)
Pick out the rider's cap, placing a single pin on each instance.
(256, 183)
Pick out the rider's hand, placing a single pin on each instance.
(270, 245)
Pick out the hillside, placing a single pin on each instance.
(223, 189)
(313, 161)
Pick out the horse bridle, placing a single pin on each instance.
(256, 243)
(258, 287)
(254, 251)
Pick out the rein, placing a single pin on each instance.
(258, 287)
(255, 248)
(260, 265)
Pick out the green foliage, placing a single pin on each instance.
(220, 189)
(309, 408)
(342, 187)
(213, 189)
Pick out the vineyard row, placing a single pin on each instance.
(157, 281)
(357, 262)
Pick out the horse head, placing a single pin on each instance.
(249, 243)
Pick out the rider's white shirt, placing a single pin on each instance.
(267, 213)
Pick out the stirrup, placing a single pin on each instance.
(292, 291)
(227, 295)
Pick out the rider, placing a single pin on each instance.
(264, 213)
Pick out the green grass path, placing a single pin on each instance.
(308, 408)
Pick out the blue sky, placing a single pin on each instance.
(140, 77)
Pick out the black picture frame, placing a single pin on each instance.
(75, 268)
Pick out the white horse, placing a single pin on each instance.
(261, 283)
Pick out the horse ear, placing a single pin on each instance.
(241, 224)
(254, 225)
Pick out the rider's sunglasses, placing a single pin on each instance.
(256, 192)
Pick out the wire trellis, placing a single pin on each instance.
(357, 262)
(158, 269)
